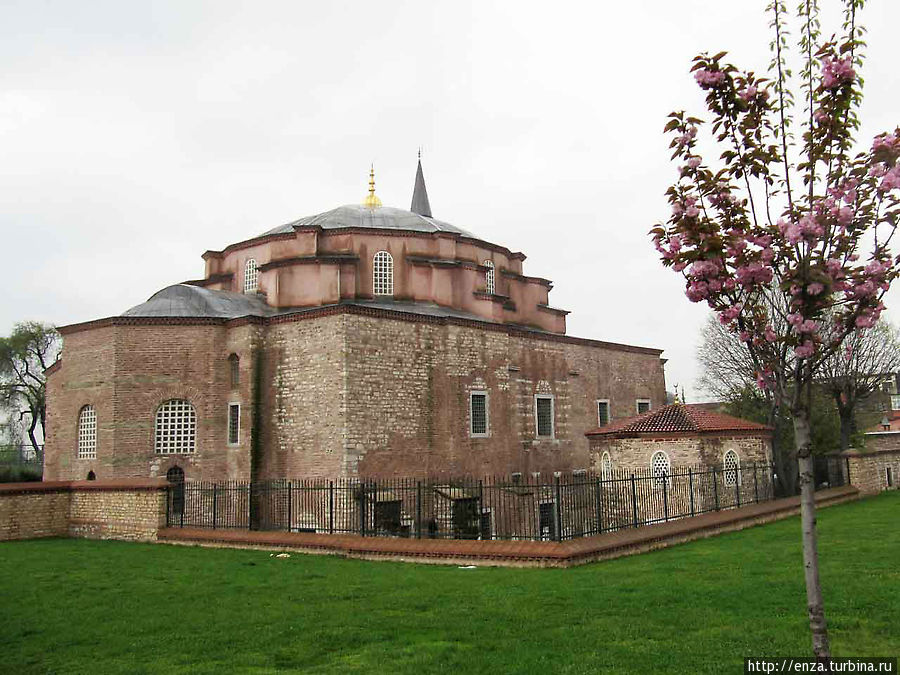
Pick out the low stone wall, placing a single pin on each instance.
(876, 468)
(124, 509)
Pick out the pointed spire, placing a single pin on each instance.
(371, 200)
(420, 203)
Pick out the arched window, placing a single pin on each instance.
(732, 468)
(91, 475)
(176, 428)
(87, 433)
(659, 467)
(383, 274)
(234, 370)
(251, 276)
(175, 477)
(606, 466)
(489, 276)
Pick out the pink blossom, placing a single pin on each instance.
(692, 212)
(744, 336)
(693, 162)
(770, 334)
(675, 243)
(793, 233)
(808, 326)
(885, 141)
(845, 215)
(805, 350)
(865, 321)
(837, 71)
(833, 267)
(767, 255)
(748, 93)
(815, 288)
(709, 78)
(697, 291)
(794, 319)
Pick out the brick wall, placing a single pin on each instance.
(131, 510)
(869, 468)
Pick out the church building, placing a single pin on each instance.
(365, 341)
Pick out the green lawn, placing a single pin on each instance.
(94, 607)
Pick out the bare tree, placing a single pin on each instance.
(857, 371)
(24, 356)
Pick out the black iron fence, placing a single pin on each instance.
(566, 507)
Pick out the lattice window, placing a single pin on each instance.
(87, 433)
(251, 276)
(383, 274)
(603, 412)
(543, 413)
(489, 276)
(234, 423)
(478, 413)
(176, 428)
(659, 467)
(732, 469)
(234, 370)
(606, 466)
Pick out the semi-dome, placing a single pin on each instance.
(377, 218)
(185, 300)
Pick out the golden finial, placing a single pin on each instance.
(371, 201)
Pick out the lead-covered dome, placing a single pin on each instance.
(378, 218)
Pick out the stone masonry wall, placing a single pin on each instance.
(131, 510)
(869, 469)
(682, 449)
(408, 389)
(303, 403)
(29, 514)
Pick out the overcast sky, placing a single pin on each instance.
(136, 135)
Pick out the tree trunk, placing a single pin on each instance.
(814, 603)
(845, 413)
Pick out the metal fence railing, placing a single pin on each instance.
(566, 507)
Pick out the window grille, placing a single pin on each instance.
(659, 467)
(544, 415)
(234, 370)
(643, 405)
(489, 276)
(176, 428)
(251, 276)
(234, 423)
(478, 413)
(602, 413)
(732, 469)
(606, 466)
(87, 433)
(383, 274)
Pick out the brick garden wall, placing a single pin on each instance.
(130, 510)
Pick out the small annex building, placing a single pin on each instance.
(364, 341)
(678, 434)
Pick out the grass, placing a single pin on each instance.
(77, 606)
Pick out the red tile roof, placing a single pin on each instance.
(678, 417)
